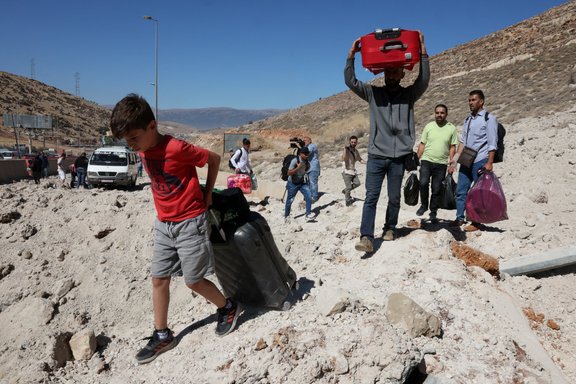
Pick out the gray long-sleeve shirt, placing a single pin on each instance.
(392, 127)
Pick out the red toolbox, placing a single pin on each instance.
(390, 48)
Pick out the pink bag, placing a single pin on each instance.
(241, 181)
(485, 202)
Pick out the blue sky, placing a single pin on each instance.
(228, 53)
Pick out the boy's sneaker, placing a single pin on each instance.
(155, 346)
(227, 317)
(310, 217)
(433, 218)
(365, 245)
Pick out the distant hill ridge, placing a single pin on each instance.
(216, 117)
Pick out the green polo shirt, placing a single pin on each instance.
(437, 141)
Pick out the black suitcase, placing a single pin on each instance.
(249, 265)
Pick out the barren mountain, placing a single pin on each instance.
(74, 117)
(526, 70)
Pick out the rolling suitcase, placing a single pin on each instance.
(249, 265)
(390, 48)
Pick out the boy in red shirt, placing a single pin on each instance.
(181, 238)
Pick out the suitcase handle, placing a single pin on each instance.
(394, 44)
(390, 33)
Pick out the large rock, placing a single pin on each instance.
(30, 313)
(331, 301)
(83, 344)
(402, 310)
(62, 287)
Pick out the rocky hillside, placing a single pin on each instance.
(76, 117)
(525, 70)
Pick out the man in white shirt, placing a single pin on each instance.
(240, 159)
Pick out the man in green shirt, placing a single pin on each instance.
(435, 151)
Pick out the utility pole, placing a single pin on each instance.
(155, 66)
(77, 77)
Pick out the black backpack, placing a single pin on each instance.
(230, 165)
(499, 154)
(285, 164)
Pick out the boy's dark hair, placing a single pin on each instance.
(477, 92)
(245, 141)
(442, 106)
(132, 112)
(353, 138)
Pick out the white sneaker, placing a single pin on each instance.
(310, 217)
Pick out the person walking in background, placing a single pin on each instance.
(314, 172)
(298, 181)
(391, 140)
(36, 168)
(435, 151)
(139, 166)
(60, 167)
(81, 165)
(479, 132)
(181, 233)
(45, 164)
(241, 159)
(72, 170)
(349, 158)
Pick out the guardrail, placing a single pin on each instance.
(16, 169)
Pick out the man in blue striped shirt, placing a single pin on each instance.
(479, 132)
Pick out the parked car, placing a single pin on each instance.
(7, 154)
(112, 166)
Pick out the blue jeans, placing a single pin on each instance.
(313, 176)
(81, 173)
(292, 189)
(437, 172)
(465, 178)
(376, 170)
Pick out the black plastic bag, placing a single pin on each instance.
(411, 162)
(412, 189)
(447, 198)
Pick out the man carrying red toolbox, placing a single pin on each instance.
(392, 135)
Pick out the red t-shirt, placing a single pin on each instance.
(171, 166)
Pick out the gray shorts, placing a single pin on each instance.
(182, 248)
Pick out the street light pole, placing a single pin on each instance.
(155, 66)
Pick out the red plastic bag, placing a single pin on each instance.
(241, 181)
(486, 202)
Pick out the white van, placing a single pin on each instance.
(112, 166)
